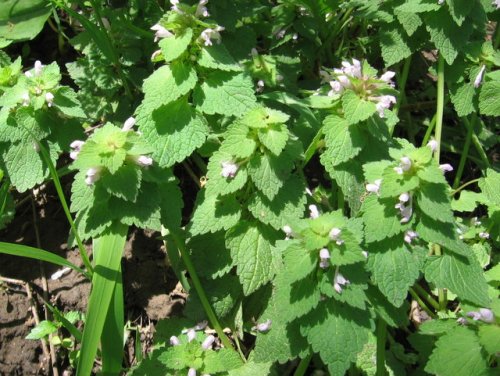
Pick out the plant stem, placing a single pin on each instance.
(381, 339)
(465, 150)
(64, 204)
(437, 155)
(427, 296)
(303, 365)
(421, 303)
(402, 84)
(479, 149)
(429, 130)
(454, 192)
(199, 289)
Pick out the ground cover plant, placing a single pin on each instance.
(323, 175)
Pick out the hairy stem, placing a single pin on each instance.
(381, 340)
(421, 291)
(465, 150)
(303, 365)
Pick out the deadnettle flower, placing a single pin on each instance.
(229, 169)
(174, 6)
(496, 3)
(264, 326)
(76, 146)
(325, 76)
(339, 280)
(191, 334)
(207, 343)
(288, 231)
(374, 187)
(174, 341)
(49, 98)
(404, 165)
(484, 314)
(405, 207)
(208, 35)
(365, 254)
(201, 325)
(484, 235)
(260, 86)
(160, 32)
(191, 372)
(410, 235)
(129, 124)
(26, 99)
(144, 161)
(202, 10)
(313, 211)
(335, 235)
(384, 103)
(388, 76)
(336, 88)
(353, 70)
(93, 174)
(38, 67)
(433, 145)
(446, 167)
(28, 74)
(324, 256)
(479, 77)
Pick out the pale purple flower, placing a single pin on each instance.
(433, 145)
(364, 253)
(440, 2)
(484, 314)
(28, 74)
(280, 34)
(288, 231)
(484, 235)
(374, 187)
(475, 221)
(26, 99)
(334, 235)
(49, 98)
(295, 36)
(325, 76)
(174, 6)
(155, 54)
(479, 77)
(76, 146)
(208, 35)
(354, 69)
(160, 32)
(229, 169)
(144, 161)
(344, 81)
(129, 124)
(384, 103)
(264, 326)
(93, 174)
(336, 88)
(174, 341)
(260, 86)
(207, 343)
(201, 325)
(192, 371)
(496, 3)
(404, 165)
(446, 167)
(405, 207)
(474, 315)
(38, 67)
(410, 235)
(202, 10)
(324, 255)
(313, 211)
(388, 76)
(191, 334)
(404, 197)
(462, 321)
(339, 280)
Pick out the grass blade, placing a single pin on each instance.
(108, 251)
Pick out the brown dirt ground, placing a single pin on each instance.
(149, 285)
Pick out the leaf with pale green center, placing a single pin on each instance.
(218, 57)
(218, 184)
(462, 276)
(239, 141)
(274, 138)
(269, 172)
(394, 271)
(355, 108)
(343, 141)
(458, 353)
(124, 183)
(167, 84)
(252, 253)
(213, 214)
(174, 46)
(432, 174)
(381, 218)
(225, 94)
(393, 184)
(349, 252)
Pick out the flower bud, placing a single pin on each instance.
(129, 124)
(174, 341)
(313, 211)
(49, 98)
(263, 327)
(207, 343)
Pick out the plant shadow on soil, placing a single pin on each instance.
(149, 286)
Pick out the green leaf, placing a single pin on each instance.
(410, 21)
(381, 218)
(394, 184)
(124, 183)
(43, 329)
(394, 45)
(269, 172)
(338, 335)
(23, 20)
(252, 368)
(394, 271)
(464, 277)
(460, 9)
(221, 361)
(213, 214)
(489, 98)
(343, 141)
(66, 101)
(167, 84)
(442, 233)
(490, 186)
(288, 204)
(395, 317)
(467, 202)
(447, 36)
(432, 174)
(218, 184)
(218, 57)
(174, 130)
(252, 253)
(355, 108)
(434, 201)
(238, 141)
(274, 138)
(225, 94)
(458, 353)
(174, 46)
(489, 337)
(463, 99)
(210, 256)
